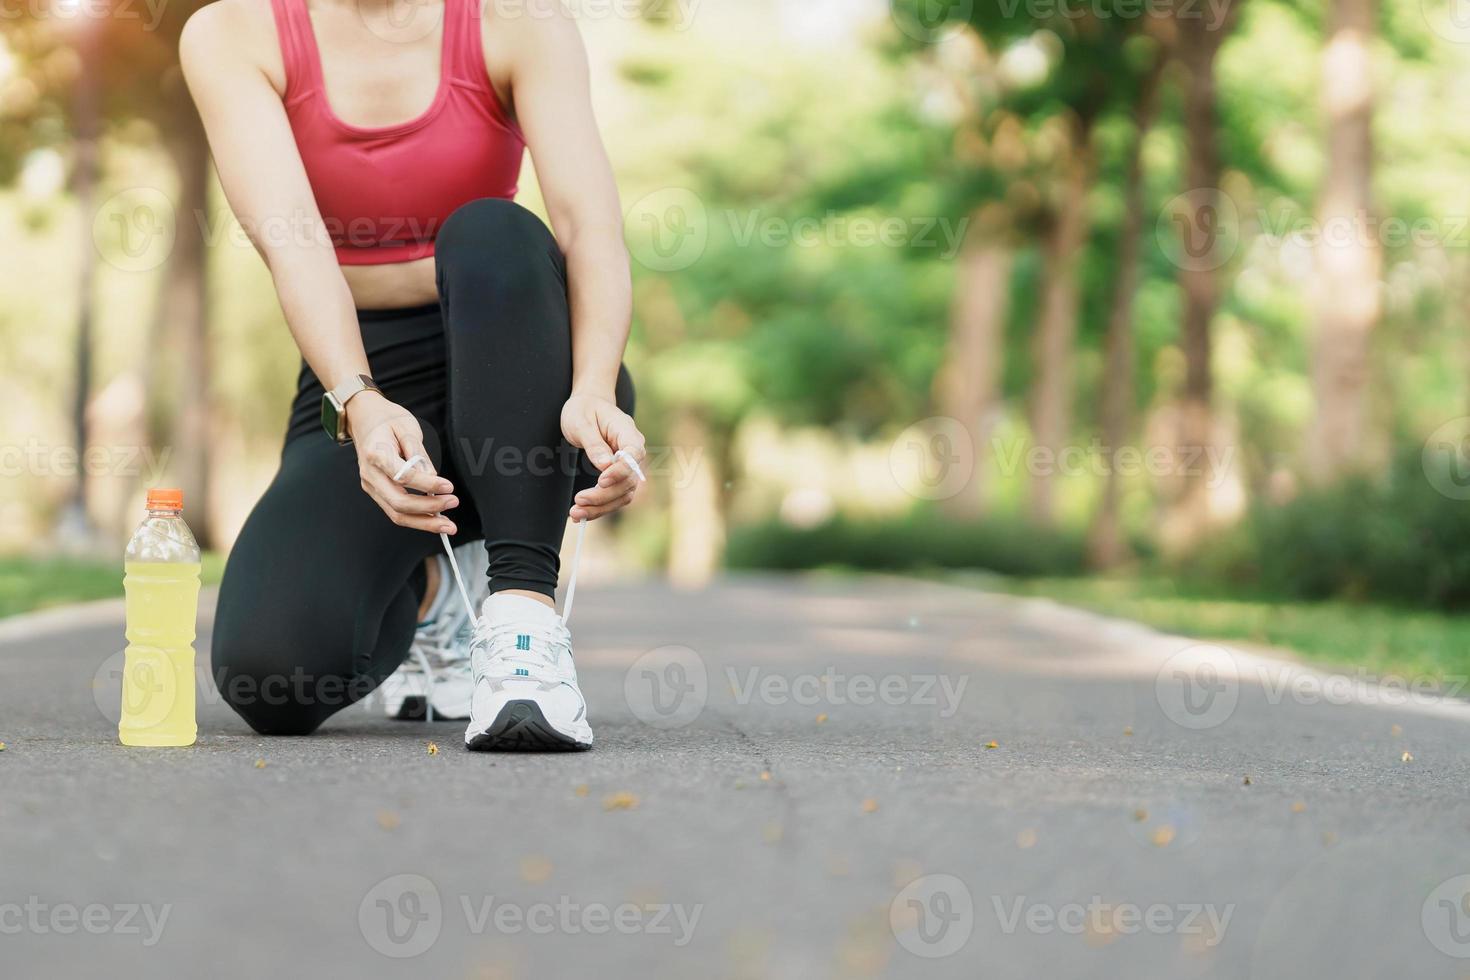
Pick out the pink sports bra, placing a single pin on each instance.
(384, 191)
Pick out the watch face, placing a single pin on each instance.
(331, 417)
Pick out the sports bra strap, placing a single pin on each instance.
(463, 51)
(298, 48)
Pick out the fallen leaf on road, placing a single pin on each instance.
(821, 719)
(260, 763)
(992, 745)
(1246, 781)
(1396, 730)
(870, 805)
(582, 790)
(773, 833)
(1162, 836)
(1026, 839)
(388, 820)
(765, 777)
(2, 746)
(1298, 807)
(1329, 838)
(433, 748)
(535, 869)
(1407, 758)
(619, 801)
(1140, 814)
(1128, 730)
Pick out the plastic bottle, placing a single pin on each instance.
(161, 581)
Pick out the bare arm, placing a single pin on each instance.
(553, 105)
(266, 184)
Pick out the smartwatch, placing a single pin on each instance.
(334, 405)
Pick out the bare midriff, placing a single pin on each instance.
(392, 286)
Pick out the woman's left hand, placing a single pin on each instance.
(598, 427)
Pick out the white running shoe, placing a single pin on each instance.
(434, 682)
(526, 697)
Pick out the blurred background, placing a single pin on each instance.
(1151, 305)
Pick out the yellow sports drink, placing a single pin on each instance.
(161, 581)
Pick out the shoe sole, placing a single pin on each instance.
(521, 727)
(415, 708)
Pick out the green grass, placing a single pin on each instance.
(36, 583)
(1383, 640)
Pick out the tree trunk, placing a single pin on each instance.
(696, 510)
(968, 386)
(1349, 259)
(1108, 545)
(1189, 517)
(1056, 326)
(76, 529)
(184, 316)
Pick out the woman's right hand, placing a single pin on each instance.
(386, 436)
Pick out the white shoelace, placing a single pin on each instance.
(464, 593)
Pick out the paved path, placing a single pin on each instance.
(805, 791)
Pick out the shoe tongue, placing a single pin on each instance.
(502, 609)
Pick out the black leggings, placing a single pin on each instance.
(321, 593)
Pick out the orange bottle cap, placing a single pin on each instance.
(165, 499)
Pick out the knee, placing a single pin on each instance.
(491, 234)
(259, 673)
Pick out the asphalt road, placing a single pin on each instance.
(793, 778)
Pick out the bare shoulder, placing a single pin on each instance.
(229, 36)
(526, 32)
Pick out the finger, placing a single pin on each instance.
(398, 502)
(599, 495)
(594, 446)
(618, 472)
(580, 513)
(422, 476)
(624, 435)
